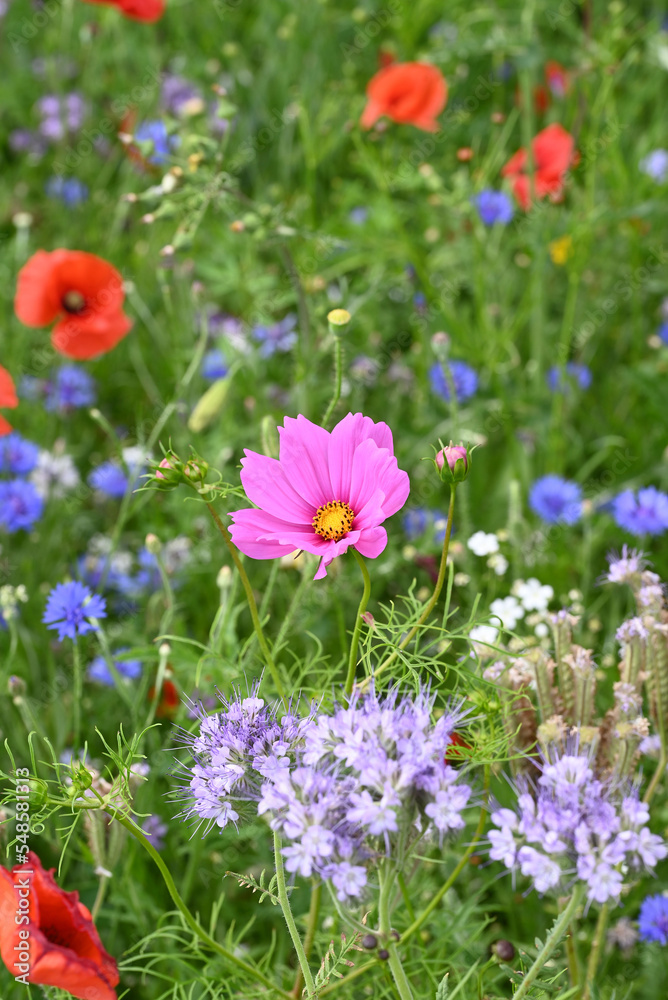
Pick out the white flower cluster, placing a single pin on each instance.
(526, 596)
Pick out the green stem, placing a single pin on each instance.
(252, 606)
(436, 899)
(101, 891)
(419, 921)
(354, 644)
(592, 964)
(551, 942)
(658, 774)
(386, 881)
(311, 927)
(77, 695)
(432, 601)
(289, 919)
(338, 377)
(229, 956)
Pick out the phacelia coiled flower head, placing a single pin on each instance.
(342, 788)
(574, 823)
(324, 493)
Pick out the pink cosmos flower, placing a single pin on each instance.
(325, 492)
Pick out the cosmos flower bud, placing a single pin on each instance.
(452, 462)
(168, 471)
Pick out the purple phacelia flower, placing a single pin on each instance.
(340, 788)
(572, 822)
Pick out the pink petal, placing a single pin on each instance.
(372, 512)
(266, 486)
(344, 440)
(376, 468)
(372, 542)
(249, 533)
(303, 455)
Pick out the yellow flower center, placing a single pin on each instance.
(333, 520)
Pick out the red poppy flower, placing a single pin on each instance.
(169, 700)
(553, 154)
(138, 10)
(409, 93)
(8, 398)
(452, 754)
(83, 292)
(557, 78)
(48, 937)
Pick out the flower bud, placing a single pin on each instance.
(338, 317)
(152, 543)
(383, 954)
(168, 471)
(503, 950)
(452, 462)
(369, 941)
(16, 686)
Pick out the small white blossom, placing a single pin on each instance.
(534, 595)
(498, 563)
(508, 609)
(54, 475)
(482, 544)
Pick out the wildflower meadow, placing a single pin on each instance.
(333, 500)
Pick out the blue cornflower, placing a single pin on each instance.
(71, 388)
(109, 479)
(213, 365)
(663, 332)
(358, 215)
(416, 521)
(494, 206)
(69, 190)
(653, 919)
(655, 165)
(556, 499)
(68, 608)
(574, 372)
(464, 378)
(20, 505)
(280, 336)
(99, 670)
(17, 456)
(156, 133)
(646, 515)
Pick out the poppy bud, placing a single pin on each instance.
(338, 317)
(452, 462)
(503, 950)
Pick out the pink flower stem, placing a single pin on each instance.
(433, 599)
(352, 659)
(252, 606)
